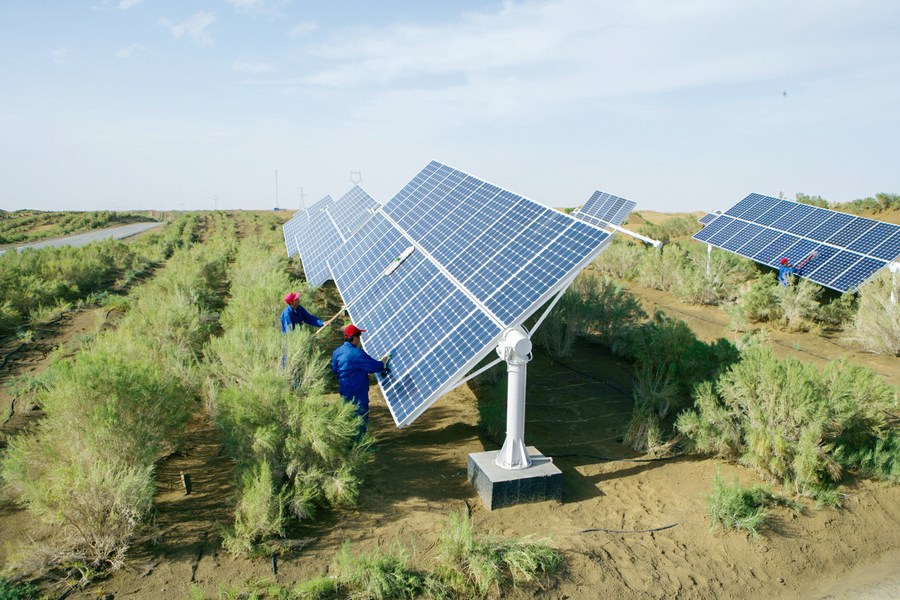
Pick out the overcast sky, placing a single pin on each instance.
(165, 104)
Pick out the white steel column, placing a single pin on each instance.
(515, 349)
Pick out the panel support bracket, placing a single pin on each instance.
(515, 349)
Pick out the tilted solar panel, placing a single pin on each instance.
(329, 225)
(845, 250)
(604, 209)
(290, 230)
(709, 218)
(352, 210)
(479, 259)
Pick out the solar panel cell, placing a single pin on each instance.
(744, 205)
(709, 232)
(851, 232)
(758, 242)
(834, 267)
(834, 222)
(775, 250)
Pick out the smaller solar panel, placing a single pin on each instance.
(844, 250)
(709, 218)
(604, 209)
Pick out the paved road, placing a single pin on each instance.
(81, 239)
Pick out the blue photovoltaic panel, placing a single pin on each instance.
(709, 218)
(290, 230)
(604, 209)
(352, 210)
(329, 225)
(847, 250)
(483, 259)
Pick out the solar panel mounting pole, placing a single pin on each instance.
(515, 349)
(895, 268)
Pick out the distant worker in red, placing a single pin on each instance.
(787, 269)
(353, 365)
(294, 314)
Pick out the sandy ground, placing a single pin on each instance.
(576, 412)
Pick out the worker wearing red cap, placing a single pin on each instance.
(785, 271)
(294, 314)
(353, 365)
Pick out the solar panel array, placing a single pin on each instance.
(328, 225)
(709, 218)
(604, 209)
(483, 259)
(849, 249)
(291, 230)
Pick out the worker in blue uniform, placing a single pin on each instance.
(353, 365)
(785, 271)
(294, 314)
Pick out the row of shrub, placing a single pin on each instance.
(85, 471)
(752, 295)
(792, 423)
(33, 281)
(296, 447)
(32, 226)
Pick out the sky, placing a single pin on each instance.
(677, 105)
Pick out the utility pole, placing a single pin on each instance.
(276, 188)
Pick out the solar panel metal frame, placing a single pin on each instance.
(603, 209)
(850, 249)
(448, 303)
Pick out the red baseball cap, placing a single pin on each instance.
(291, 297)
(784, 261)
(351, 330)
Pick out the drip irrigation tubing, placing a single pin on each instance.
(608, 459)
(664, 527)
(591, 377)
(11, 352)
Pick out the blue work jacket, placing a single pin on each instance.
(785, 272)
(291, 317)
(353, 366)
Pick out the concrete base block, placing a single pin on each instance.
(500, 487)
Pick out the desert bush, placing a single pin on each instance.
(266, 391)
(259, 513)
(799, 304)
(17, 591)
(621, 259)
(787, 420)
(735, 507)
(593, 307)
(672, 228)
(377, 574)
(474, 568)
(876, 326)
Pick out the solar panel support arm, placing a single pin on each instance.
(515, 349)
(643, 238)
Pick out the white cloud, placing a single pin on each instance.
(259, 7)
(195, 28)
(303, 29)
(126, 4)
(127, 51)
(246, 66)
(60, 56)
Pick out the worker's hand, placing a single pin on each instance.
(321, 323)
(386, 371)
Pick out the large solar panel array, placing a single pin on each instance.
(604, 209)
(328, 225)
(709, 218)
(849, 249)
(482, 259)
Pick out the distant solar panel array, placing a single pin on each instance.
(438, 273)
(709, 218)
(847, 249)
(604, 209)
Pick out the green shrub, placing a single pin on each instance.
(621, 259)
(17, 591)
(877, 324)
(787, 420)
(799, 304)
(377, 574)
(735, 507)
(474, 568)
(260, 511)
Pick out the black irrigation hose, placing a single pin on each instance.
(669, 526)
(607, 459)
(591, 377)
(11, 352)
